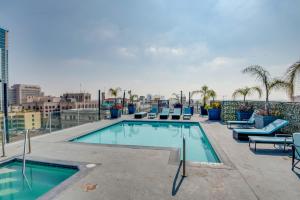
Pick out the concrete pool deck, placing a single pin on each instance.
(130, 173)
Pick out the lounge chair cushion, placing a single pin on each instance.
(272, 127)
(271, 140)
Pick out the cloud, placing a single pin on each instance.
(219, 63)
(164, 51)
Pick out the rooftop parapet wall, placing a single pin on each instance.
(289, 110)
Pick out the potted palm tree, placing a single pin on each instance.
(265, 117)
(245, 111)
(291, 75)
(131, 106)
(115, 110)
(205, 93)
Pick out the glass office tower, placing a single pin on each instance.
(3, 62)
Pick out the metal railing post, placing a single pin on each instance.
(24, 152)
(183, 157)
(29, 142)
(50, 122)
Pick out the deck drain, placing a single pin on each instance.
(91, 165)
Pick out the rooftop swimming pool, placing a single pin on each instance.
(156, 134)
(40, 179)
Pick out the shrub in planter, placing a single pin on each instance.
(214, 111)
(244, 112)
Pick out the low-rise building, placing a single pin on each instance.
(22, 120)
(78, 97)
(74, 117)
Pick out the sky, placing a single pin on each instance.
(149, 46)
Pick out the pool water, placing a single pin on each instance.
(157, 134)
(41, 178)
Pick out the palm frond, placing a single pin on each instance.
(259, 72)
(211, 93)
(278, 84)
(256, 89)
(238, 92)
(291, 74)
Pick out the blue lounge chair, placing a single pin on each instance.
(242, 134)
(187, 113)
(153, 113)
(140, 115)
(164, 113)
(176, 114)
(250, 122)
(296, 150)
(278, 139)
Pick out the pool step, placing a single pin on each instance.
(6, 170)
(7, 180)
(5, 192)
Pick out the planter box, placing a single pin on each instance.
(243, 116)
(192, 109)
(115, 113)
(262, 121)
(131, 109)
(214, 114)
(203, 111)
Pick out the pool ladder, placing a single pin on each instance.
(26, 135)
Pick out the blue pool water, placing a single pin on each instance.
(157, 134)
(40, 179)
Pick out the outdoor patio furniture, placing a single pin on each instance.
(164, 113)
(153, 113)
(250, 122)
(278, 139)
(187, 113)
(176, 114)
(242, 134)
(140, 115)
(296, 150)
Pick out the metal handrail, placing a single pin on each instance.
(183, 157)
(24, 159)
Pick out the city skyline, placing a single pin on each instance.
(149, 47)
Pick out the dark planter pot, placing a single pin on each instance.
(262, 121)
(214, 114)
(192, 109)
(115, 113)
(241, 115)
(177, 106)
(203, 111)
(131, 109)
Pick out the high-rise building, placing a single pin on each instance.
(3, 62)
(20, 93)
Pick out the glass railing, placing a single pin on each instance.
(60, 120)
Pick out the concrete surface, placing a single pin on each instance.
(128, 173)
